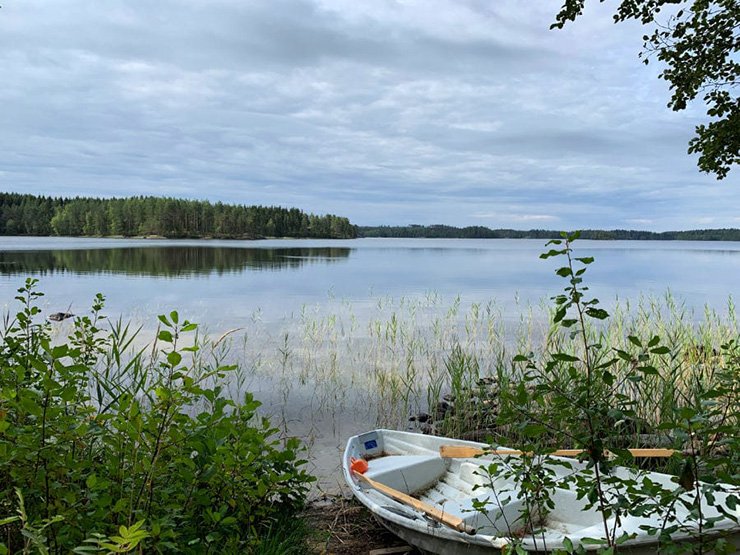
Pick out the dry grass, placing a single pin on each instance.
(344, 527)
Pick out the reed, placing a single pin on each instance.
(412, 352)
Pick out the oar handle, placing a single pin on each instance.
(454, 522)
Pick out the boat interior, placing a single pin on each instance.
(486, 501)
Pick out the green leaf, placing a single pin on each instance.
(39, 365)
(165, 335)
(563, 357)
(585, 259)
(551, 253)
(174, 316)
(687, 413)
(174, 358)
(635, 341)
(68, 393)
(559, 314)
(534, 430)
(660, 350)
(59, 351)
(164, 320)
(687, 478)
(598, 313)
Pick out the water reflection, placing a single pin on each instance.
(170, 261)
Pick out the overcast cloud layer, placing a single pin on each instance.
(462, 112)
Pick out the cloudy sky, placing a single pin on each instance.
(462, 112)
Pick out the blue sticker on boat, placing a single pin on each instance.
(372, 444)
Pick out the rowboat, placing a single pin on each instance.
(433, 502)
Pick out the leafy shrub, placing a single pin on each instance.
(101, 442)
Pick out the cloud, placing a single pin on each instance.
(497, 216)
(392, 111)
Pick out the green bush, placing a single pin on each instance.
(112, 450)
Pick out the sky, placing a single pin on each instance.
(457, 112)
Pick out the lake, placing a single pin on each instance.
(330, 331)
(226, 284)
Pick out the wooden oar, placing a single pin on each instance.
(439, 515)
(461, 451)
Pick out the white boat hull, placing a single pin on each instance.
(410, 463)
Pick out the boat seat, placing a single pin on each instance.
(490, 523)
(567, 517)
(407, 473)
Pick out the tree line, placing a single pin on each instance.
(480, 232)
(22, 214)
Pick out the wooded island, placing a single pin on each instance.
(22, 214)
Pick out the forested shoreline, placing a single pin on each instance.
(23, 214)
(480, 232)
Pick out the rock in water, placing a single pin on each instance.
(59, 316)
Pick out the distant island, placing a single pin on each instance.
(22, 214)
(480, 232)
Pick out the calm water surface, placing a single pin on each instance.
(224, 284)
(335, 306)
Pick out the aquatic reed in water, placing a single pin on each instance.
(381, 364)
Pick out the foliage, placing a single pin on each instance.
(586, 394)
(167, 217)
(111, 449)
(699, 45)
